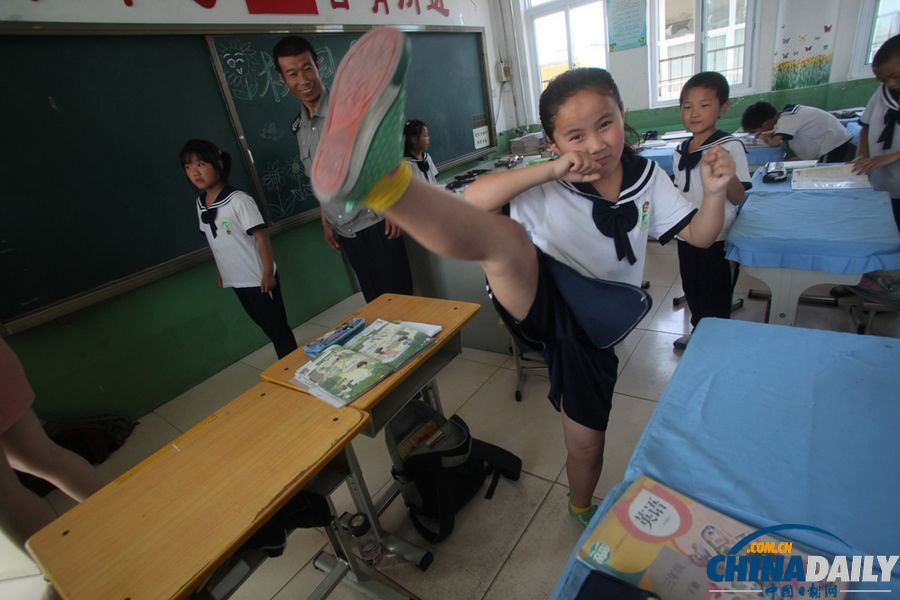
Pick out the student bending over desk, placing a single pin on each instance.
(811, 133)
(594, 206)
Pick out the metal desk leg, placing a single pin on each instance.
(363, 501)
(788, 284)
(432, 396)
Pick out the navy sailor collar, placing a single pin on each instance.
(889, 98)
(636, 174)
(717, 137)
(208, 215)
(615, 220)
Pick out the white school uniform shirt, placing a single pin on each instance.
(559, 217)
(687, 172)
(887, 178)
(423, 169)
(231, 239)
(810, 132)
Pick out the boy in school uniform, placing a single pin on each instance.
(879, 139)
(707, 277)
(372, 243)
(811, 133)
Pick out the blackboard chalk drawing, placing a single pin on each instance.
(271, 132)
(271, 79)
(241, 67)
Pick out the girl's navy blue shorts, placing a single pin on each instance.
(582, 376)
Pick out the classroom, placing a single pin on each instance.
(111, 303)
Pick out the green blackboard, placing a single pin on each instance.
(91, 189)
(93, 200)
(446, 88)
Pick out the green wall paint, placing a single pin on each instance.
(135, 352)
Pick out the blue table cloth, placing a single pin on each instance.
(773, 425)
(850, 231)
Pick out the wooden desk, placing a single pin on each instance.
(159, 530)
(384, 400)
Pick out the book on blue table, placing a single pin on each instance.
(343, 372)
(666, 543)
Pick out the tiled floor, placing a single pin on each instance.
(512, 546)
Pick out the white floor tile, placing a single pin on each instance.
(23, 588)
(485, 534)
(650, 366)
(459, 380)
(538, 559)
(337, 313)
(661, 269)
(202, 400)
(489, 358)
(531, 429)
(14, 562)
(275, 573)
(626, 348)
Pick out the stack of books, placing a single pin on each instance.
(342, 372)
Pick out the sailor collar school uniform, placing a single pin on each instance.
(881, 116)
(574, 224)
(424, 168)
(810, 132)
(687, 171)
(228, 224)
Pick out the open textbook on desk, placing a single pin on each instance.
(343, 372)
(666, 543)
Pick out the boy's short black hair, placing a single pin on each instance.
(757, 114)
(709, 80)
(889, 49)
(293, 45)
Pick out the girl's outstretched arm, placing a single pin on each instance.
(492, 190)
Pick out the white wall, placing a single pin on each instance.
(462, 13)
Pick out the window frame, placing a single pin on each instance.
(859, 67)
(700, 42)
(530, 14)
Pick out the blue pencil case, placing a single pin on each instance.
(336, 336)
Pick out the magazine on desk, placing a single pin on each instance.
(343, 372)
(662, 541)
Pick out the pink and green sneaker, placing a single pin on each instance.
(363, 137)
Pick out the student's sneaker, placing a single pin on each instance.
(363, 136)
(682, 342)
(583, 517)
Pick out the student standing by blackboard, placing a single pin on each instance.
(415, 146)
(372, 243)
(236, 232)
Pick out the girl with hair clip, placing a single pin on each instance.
(236, 232)
(416, 142)
(564, 272)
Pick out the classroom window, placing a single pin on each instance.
(878, 21)
(689, 36)
(565, 34)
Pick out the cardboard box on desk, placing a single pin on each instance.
(664, 542)
(527, 144)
